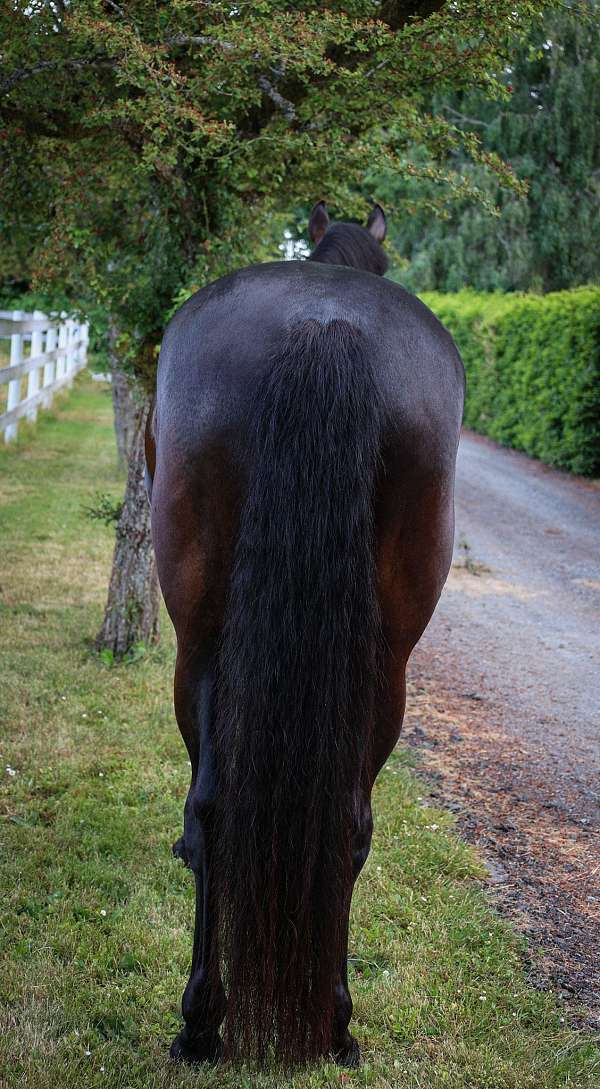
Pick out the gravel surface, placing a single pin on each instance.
(505, 701)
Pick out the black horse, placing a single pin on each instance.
(301, 458)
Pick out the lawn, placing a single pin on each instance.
(95, 928)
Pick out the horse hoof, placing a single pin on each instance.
(206, 1048)
(349, 1054)
(179, 850)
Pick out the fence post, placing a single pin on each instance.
(85, 336)
(14, 387)
(50, 367)
(33, 378)
(70, 349)
(61, 362)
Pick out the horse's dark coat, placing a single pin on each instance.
(302, 454)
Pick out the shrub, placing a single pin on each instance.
(533, 370)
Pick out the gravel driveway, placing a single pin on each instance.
(505, 701)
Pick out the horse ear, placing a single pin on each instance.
(318, 222)
(376, 223)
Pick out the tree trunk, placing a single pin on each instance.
(131, 615)
(124, 403)
(124, 409)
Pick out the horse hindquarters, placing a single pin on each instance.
(303, 722)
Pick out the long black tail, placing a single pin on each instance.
(298, 672)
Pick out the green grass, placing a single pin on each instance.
(96, 917)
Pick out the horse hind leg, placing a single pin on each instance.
(204, 1001)
(345, 1049)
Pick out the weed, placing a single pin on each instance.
(470, 565)
(104, 509)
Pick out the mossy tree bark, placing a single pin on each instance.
(131, 615)
(124, 409)
(123, 399)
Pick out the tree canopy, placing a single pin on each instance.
(152, 146)
(549, 130)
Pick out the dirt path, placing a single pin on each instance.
(505, 701)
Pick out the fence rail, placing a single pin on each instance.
(48, 351)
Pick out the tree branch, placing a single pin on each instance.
(199, 39)
(49, 66)
(58, 125)
(286, 107)
(121, 13)
(467, 120)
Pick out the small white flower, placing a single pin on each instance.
(84, 715)
(482, 997)
(101, 774)
(87, 1051)
(10, 771)
(103, 911)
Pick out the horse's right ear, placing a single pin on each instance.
(376, 223)
(318, 222)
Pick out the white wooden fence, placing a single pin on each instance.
(49, 351)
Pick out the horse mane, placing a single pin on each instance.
(352, 245)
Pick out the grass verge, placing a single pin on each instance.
(95, 928)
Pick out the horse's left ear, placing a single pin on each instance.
(376, 223)
(318, 222)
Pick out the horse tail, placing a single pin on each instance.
(298, 669)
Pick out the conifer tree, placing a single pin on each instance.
(549, 132)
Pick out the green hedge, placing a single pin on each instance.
(533, 370)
